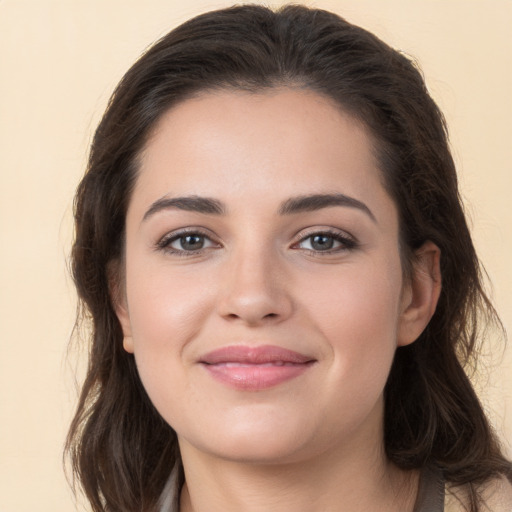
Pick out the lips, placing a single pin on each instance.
(255, 368)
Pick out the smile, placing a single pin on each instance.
(255, 368)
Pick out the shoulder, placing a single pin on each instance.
(496, 496)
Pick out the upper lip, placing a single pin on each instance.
(261, 354)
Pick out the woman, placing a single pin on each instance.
(282, 285)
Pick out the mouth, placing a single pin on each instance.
(255, 368)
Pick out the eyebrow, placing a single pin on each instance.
(310, 203)
(306, 203)
(197, 204)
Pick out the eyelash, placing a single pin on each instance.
(347, 242)
(164, 244)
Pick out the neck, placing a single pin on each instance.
(341, 479)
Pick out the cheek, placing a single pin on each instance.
(166, 308)
(167, 311)
(163, 322)
(359, 297)
(357, 313)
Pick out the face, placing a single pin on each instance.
(264, 297)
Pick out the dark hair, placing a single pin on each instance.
(121, 449)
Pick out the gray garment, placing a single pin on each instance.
(170, 498)
(430, 493)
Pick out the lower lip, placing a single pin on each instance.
(255, 377)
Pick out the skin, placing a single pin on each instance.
(313, 442)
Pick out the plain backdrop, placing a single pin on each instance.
(59, 62)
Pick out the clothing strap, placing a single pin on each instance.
(430, 492)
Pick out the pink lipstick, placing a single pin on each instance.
(255, 368)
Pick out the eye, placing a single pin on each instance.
(326, 242)
(185, 242)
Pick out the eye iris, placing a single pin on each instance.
(322, 242)
(192, 242)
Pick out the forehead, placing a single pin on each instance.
(233, 144)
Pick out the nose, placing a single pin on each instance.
(255, 289)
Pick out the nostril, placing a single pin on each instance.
(254, 305)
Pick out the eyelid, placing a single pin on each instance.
(163, 243)
(348, 241)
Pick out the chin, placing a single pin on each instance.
(264, 439)
(262, 450)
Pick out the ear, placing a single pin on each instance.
(120, 303)
(124, 319)
(420, 293)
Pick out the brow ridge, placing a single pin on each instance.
(293, 205)
(309, 203)
(197, 204)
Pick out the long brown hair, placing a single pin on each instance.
(120, 448)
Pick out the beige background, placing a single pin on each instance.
(59, 61)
